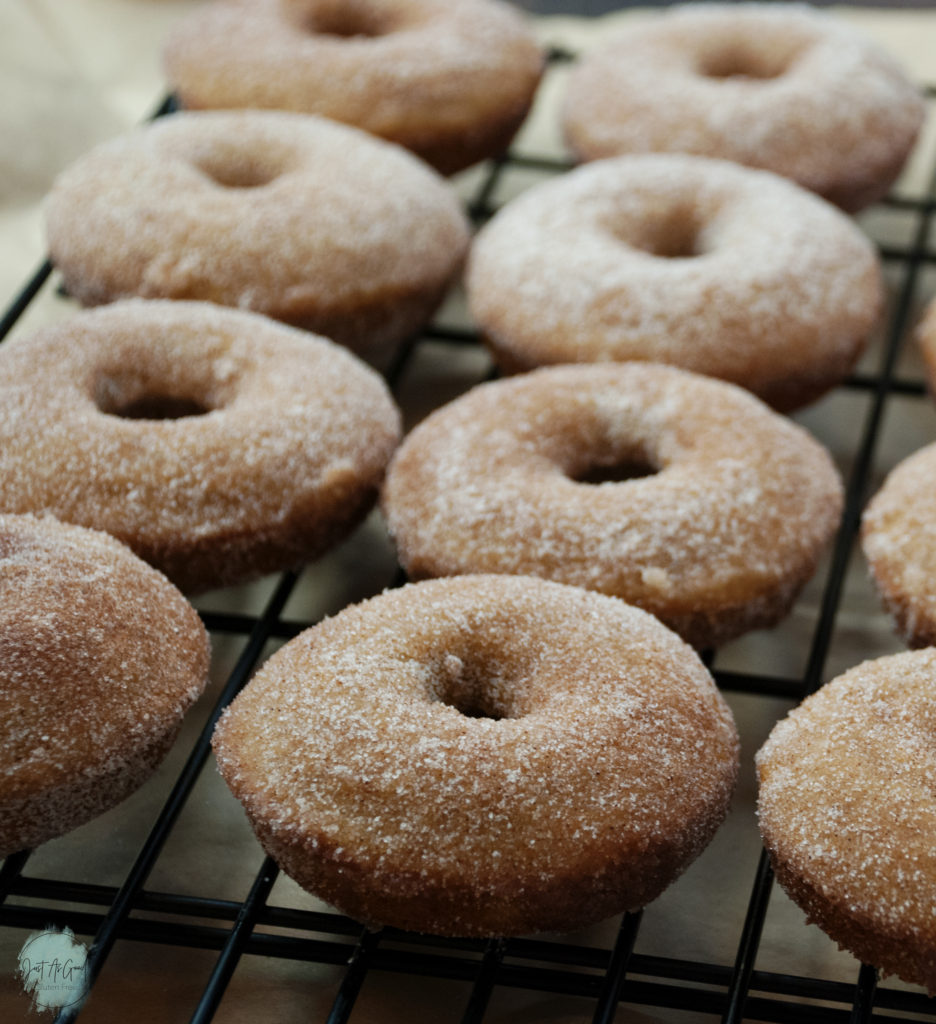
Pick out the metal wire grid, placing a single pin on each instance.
(607, 977)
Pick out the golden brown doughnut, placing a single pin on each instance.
(699, 263)
(100, 657)
(217, 444)
(302, 219)
(450, 81)
(718, 539)
(899, 524)
(485, 755)
(926, 340)
(847, 812)
(897, 537)
(776, 86)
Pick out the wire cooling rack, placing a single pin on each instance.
(186, 920)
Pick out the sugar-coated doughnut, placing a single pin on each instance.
(217, 444)
(777, 86)
(100, 657)
(925, 338)
(450, 81)
(700, 263)
(898, 537)
(847, 811)
(518, 476)
(485, 755)
(302, 219)
(898, 530)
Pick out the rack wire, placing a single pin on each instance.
(618, 974)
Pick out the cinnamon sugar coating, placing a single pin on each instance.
(100, 657)
(899, 525)
(677, 259)
(847, 814)
(897, 538)
(450, 81)
(217, 444)
(303, 219)
(778, 86)
(482, 755)
(733, 511)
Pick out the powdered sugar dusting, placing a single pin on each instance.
(608, 738)
(100, 657)
(779, 294)
(719, 538)
(284, 461)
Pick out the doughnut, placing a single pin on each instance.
(847, 813)
(925, 338)
(898, 538)
(451, 82)
(676, 259)
(898, 527)
(483, 755)
(777, 86)
(217, 444)
(680, 494)
(307, 221)
(100, 658)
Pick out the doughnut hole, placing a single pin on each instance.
(615, 472)
(601, 458)
(746, 60)
(238, 170)
(472, 674)
(343, 19)
(674, 232)
(140, 394)
(158, 407)
(465, 685)
(250, 160)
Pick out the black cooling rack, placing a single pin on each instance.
(610, 979)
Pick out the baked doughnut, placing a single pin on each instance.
(486, 755)
(847, 813)
(730, 510)
(898, 537)
(100, 657)
(307, 221)
(676, 259)
(926, 340)
(215, 443)
(452, 82)
(776, 86)
(899, 525)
